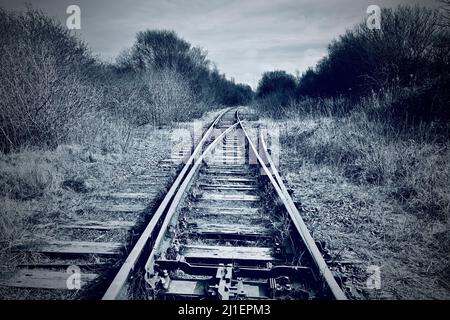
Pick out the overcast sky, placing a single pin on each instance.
(243, 37)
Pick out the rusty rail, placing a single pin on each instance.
(293, 212)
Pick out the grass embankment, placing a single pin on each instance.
(377, 190)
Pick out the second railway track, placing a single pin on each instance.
(227, 229)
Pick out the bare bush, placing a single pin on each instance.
(101, 130)
(42, 96)
(409, 56)
(410, 164)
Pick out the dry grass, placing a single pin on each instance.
(39, 187)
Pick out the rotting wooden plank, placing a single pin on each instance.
(229, 197)
(231, 179)
(227, 156)
(235, 187)
(220, 209)
(231, 144)
(44, 279)
(228, 178)
(219, 160)
(230, 171)
(204, 228)
(229, 150)
(98, 225)
(76, 247)
(228, 253)
(224, 160)
(230, 167)
(239, 168)
(225, 213)
(55, 263)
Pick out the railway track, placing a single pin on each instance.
(227, 229)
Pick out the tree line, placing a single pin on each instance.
(407, 60)
(50, 81)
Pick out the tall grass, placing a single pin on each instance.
(412, 164)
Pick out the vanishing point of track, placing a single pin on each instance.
(227, 229)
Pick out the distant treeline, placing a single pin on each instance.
(53, 90)
(407, 60)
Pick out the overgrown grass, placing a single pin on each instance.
(382, 188)
(412, 163)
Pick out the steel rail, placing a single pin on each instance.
(116, 288)
(177, 200)
(296, 218)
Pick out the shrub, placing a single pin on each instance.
(409, 55)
